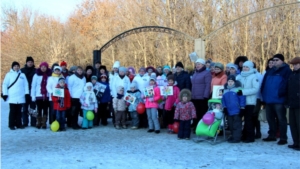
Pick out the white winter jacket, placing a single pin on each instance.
(125, 82)
(52, 82)
(76, 86)
(250, 85)
(36, 87)
(111, 81)
(16, 94)
(141, 82)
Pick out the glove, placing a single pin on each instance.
(240, 93)
(27, 97)
(95, 110)
(5, 97)
(225, 111)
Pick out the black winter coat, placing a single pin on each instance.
(293, 96)
(183, 80)
(29, 73)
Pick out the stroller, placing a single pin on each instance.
(211, 124)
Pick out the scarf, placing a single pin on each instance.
(200, 70)
(56, 75)
(119, 96)
(245, 74)
(121, 76)
(78, 75)
(43, 85)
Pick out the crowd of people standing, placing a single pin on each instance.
(58, 93)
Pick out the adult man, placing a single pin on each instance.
(293, 100)
(29, 71)
(182, 77)
(274, 90)
(97, 69)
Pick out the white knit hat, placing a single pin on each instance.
(202, 61)
(57, 67)
(116, 64)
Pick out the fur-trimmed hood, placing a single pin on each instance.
(187, 92)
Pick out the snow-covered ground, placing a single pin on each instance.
(106, 147)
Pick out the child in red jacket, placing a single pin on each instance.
(61, 102)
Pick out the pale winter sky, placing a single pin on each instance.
(57, 8)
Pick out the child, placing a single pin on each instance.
(61, 104)
(119, 106)
(151, 105)
(132, 106)
(88, 103)
(232, 104)
(170, 104)
(185, 111)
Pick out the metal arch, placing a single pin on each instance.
(143, 29)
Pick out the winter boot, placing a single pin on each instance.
(44, 122)
(39, 122)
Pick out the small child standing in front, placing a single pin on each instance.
(132, 106)
(88, 102)
(185, 111)
(119, 106)
(61, 104)
(232, 103)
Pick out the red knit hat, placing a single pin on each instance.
(63, 63)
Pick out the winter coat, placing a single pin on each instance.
(232, 101)
(201, 82)
(118, 81)
(57, 101)
(36, 84)
(185, 111)
(218, 80)
(154, 103)
(260, 78)
(138, 99)
(16, 93)
(293, 94)
(106, 97)
(274, 85)
(111, 81)
(141, 81)
(172, 100)
(52, 82)
(29, 73)
(76, 86)
(183, 80)
(119, 104)
(85, 96)
(250, 85)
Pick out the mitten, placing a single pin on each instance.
(240, 93)
(5, 97)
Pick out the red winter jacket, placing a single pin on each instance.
(67, 100)
(171, 100)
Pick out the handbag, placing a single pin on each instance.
(11, 84)
(262, 115)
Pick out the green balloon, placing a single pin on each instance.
(54, 126)
(90, 115)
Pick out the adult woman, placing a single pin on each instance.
(39, 93)
(89, 73)
(270, 64)
(219, 78)
(15, 89)
(250, 87)
(239, 61)
(201, 82)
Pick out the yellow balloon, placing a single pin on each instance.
(54, 126)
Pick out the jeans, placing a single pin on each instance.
(184, 129)
(152, 115)
(277, 109)
(135, 118)
(61, 118)
(25, 115)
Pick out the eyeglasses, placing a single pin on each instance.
(275, 60)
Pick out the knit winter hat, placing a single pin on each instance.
(63, 63)
(94, 78)
(219, 65)
(122, 69)
(166, 67)
(88, 84)
(179, 64)
(14, 63)
(231, 77)
(116, 64)
(29, 58)
(44, 64)
(279, 56)
(248, 64)
(57, 67)
(73, 68)
(131, 70)
(202, 61)
(295, 60)
(153, 77)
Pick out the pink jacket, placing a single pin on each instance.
(156, 98)
(174, 99)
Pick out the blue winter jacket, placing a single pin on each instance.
(232, 101)
(274, 85)
(106, 97)
(137, 95)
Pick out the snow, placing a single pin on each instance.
(106, 147)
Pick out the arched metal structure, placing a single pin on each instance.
(97, 53)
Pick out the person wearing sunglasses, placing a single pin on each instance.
(274, 92)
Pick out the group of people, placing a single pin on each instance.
(59, 94)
